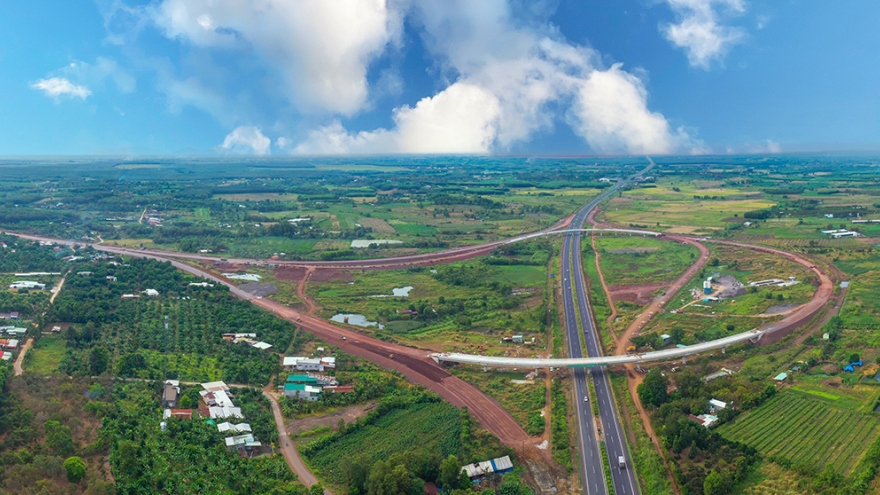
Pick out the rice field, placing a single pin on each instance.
(806, 431)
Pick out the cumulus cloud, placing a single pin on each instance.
(58, 87)
(247, 139)
(699, 30)
(320, 49)
(463, 118)
(506, 93)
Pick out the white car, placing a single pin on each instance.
(586, 398)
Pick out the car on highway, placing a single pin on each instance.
(586, 398)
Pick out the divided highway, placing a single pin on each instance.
(580, 329)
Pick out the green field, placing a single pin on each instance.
(655, 262)
(807, 431)
(425, 428)
(44, 357)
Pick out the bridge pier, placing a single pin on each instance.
(724, 350)
(684, 360)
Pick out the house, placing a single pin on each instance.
(309, 364)
(707, 420)
(6, 356)
(517, 339)
(239, 442)
(717, 405)
(10, 345)
(218, 412)
(27, 285)
(780, 377)
(305, 379)
(302, 391)
(217, 398)
(329, 362)
(347, 389)
(131, 296)
(261, 345)
(227, 427)
(170, 393)
(200, 284)
(111, 278)
(83, 274)
(177, 413)
(10, 316)
(665, 338)
(289, 363)
(151, 292)
(215, 386)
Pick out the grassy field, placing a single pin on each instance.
(45, 355)
(640, 260)
(806, 430)
(524, 401)
(678, 211)
(427, 428)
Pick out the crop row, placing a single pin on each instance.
(806, 431)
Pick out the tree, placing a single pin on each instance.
(76, 469)
(99, 357)
(59, 437)
(676, 335)
(689, 384)
(449, 469)
(854, 357)
(715, 484)
(316, 489)
(185, 402)
(652, 391)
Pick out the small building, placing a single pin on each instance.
(215, 386)
(305, 379)
(329, 362)
(717, 405)
(242, 442)
(226, 427)
(151, 292)
(666, 338)
(170, 393)
(27, 285)
(302, 391)
(177, 413)
(477, 470)
(780, 377)
(309, 364)
(289, 362)
(711, 299)
(131, 296)
(10, 316)
(262, 345)
(10, 345)
(707, 420)
(216, 398)
(517, 339)
(707, 286)
(5, 356)
(340, 389)
(218, 412)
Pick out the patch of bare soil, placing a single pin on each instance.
(637, 294)
(290, 273)
(331, 276)
(348, 414)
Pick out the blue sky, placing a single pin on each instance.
(416, 76)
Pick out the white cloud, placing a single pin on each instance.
(320, 49)
(57, 87)
(247, 139)
(506, 93)
(699, 31)
(463, 118)
(763, 147)
(611, 113)
(103, 69)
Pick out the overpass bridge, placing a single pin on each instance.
(590, 362)
(575, 231)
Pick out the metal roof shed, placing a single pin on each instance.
(502, 464)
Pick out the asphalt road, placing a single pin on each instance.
(580, 328)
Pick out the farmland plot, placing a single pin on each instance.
(806, 431)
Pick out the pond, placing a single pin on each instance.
(356, 320)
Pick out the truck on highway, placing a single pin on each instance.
(621, 462)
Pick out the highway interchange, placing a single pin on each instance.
(579, 327)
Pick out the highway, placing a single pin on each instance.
(582, 327)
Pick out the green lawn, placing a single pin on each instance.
(44, 357)
(657, 262)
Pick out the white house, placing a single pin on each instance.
(717, 404)
(225, 412)
(309, 365)
(151, 292)
(27, 285)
